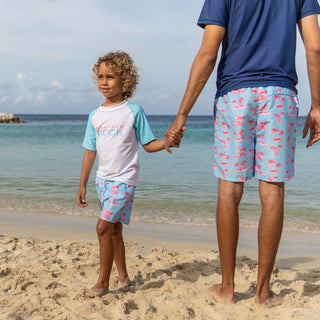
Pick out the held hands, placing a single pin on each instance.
(312, 123)
(174, 137)
(174, 134)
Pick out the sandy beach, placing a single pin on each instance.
(47, 259)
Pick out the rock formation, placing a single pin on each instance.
(10, 118)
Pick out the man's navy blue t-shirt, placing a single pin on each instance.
(259, 46)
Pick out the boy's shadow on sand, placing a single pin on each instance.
(192, 271)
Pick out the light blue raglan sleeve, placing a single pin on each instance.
(141, 125)
(214, 12)
(89, 141)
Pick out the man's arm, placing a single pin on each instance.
(201, 70)
(310, 33)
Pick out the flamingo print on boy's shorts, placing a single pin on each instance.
(116, 199)
(255, 134)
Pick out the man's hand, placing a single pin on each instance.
(313, 124)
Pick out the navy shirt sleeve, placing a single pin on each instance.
(214, 12)
(309, 7)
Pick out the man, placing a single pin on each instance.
(255, 115)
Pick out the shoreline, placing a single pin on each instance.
(296, 250)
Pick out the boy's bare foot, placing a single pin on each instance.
(123, 286)
(221, 295)
(271, 301)
(94, 292)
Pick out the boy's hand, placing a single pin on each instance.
(81, 200)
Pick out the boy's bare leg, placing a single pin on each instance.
(105, 232)
(119, 252)
(269, 234)
(229, 197)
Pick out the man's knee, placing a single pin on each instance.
(231, 190)
(271, 189)
(271, 194)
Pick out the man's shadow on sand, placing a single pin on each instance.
(191, 271)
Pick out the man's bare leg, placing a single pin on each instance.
(229, 197)
(269, 234)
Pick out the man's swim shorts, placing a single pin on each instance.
(255, 134)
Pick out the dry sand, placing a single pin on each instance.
(43, 270)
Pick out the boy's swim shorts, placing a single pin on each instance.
(116, 199)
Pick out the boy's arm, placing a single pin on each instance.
(174, 138)
(87, 164)
(310, 33)
(154, 146)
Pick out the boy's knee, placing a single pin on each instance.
(117, 230)
(104, 227)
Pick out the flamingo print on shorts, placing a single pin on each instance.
(255, 134)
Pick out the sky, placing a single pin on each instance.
(49, 47)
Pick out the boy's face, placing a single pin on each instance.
(109, 84)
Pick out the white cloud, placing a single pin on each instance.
(57, 84)
(27, 95)
(40, 97)
(3, 99)
(20, 76)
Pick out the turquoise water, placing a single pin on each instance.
(40, 164)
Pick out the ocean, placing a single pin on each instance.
(40, 165)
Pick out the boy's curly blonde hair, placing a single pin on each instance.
(122, 65)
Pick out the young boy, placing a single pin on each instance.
(113, 132)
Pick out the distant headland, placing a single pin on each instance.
(10, 118)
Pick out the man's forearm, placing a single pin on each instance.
(201, 70)
(313, 62)
(202, 67)
(310, 33)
